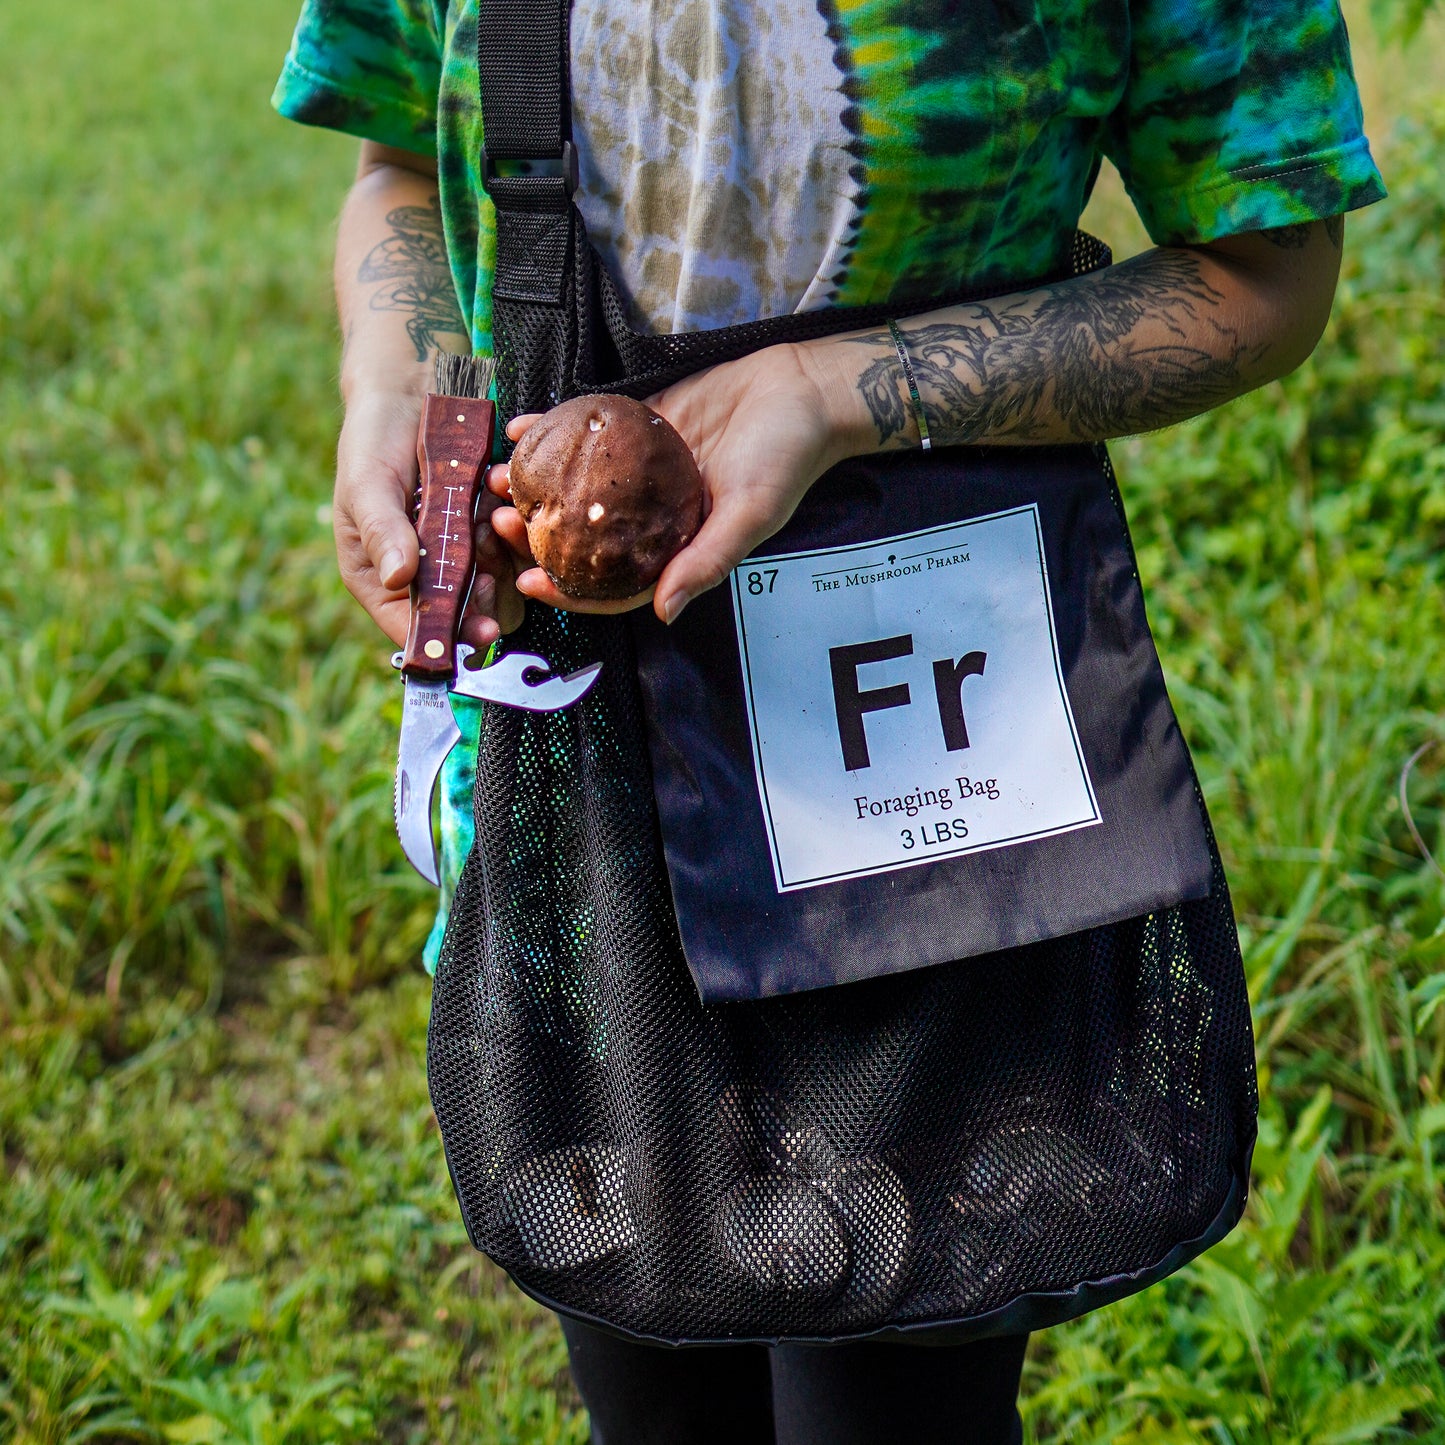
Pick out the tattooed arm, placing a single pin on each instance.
(398, 307)
(1137, 346)
(1140, 345)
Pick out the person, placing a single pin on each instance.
(741, 161)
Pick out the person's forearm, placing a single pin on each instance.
(1152, 341)
(394, 290)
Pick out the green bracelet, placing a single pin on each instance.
(897, 336)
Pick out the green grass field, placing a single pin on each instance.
(224, 1213)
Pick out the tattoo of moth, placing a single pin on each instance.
(412, 265)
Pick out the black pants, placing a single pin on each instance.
(863, 1394)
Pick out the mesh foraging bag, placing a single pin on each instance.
(988, 1145)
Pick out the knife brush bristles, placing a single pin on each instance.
(464, 375)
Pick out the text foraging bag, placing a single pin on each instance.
(984, 1144)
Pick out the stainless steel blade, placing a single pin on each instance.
(522, 679)
(428, 733)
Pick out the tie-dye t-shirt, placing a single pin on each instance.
(742, 159)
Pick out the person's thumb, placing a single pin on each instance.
(389, 539)
(731, 530)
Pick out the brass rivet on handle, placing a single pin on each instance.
(454, 462)
(434, 648)
(460, 417)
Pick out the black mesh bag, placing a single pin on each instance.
(975, 1147)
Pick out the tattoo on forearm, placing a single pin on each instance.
(1335, 230)
(1128, 349)
(413, 264)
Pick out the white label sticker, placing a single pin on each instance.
(906, 700)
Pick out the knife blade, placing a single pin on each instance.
(454, 444)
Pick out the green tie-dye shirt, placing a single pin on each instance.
(742, 159)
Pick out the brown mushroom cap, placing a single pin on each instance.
(610, 494)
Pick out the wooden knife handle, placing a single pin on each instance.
(453, 446)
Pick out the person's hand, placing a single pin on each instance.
(376, 546)
(762, 434)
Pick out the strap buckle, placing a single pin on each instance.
(568, 159)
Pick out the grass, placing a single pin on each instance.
(224, 1215)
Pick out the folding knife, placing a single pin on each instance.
(453, 447)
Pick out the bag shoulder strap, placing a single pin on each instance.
(522, 64)
(523, 70)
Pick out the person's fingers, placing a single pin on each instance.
(511, 609)
(388, 606)
(389, 538)
(375, 474)
(732, 529)
(519, 424)
(390, 609)
(479, 631)
(495, 594)
(499, 481)
(376, 546)
(537, 585)
(482, 600)
(393, 616)
(508, 524)
(492, 554)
